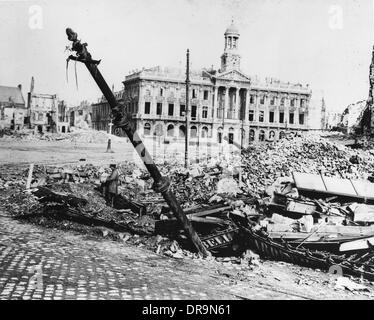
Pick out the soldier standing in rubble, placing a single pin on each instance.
(112, 185)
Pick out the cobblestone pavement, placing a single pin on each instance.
(40, 263)
(50, 264)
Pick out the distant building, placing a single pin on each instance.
(12, 108)
(62, 117)
(46, 113)
(101, 113)
(352, 116)
(226, 105)
(333, 120)
(42, 110)
(81, 116)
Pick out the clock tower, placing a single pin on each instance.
(230, 59)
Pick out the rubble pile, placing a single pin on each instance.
(263, 164)
(77, 136)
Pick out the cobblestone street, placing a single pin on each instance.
(49, 264)
(76, 268)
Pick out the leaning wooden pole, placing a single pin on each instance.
(121, 120)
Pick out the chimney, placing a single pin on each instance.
(20, 87)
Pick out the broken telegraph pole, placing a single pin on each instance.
(121, 120)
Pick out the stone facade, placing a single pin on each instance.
(81, 116)
(226, 105)
(42, 111)
(12, 108)
(101, 114)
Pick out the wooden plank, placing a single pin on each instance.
(364, 188)
(301, 207)
(357, 244)
(348, 230)
(357, 190)
(316, 237)
(308, 181)
(210, 211)
(339, 186)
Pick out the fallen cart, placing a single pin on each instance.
(358, 265)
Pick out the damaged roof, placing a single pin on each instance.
(8, 94)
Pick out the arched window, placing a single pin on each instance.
(204, 132)
(219, 135)
(261, 136)
(282, 135)
(182, 131)
(147, 129)
(231, 135)
(193, 132)
(251, 135)
(170, 130)
(271, 135)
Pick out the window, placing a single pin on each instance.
(204, 132)
(281, 117)
(251, 135)
(271, 135)
(170, 130)
(205, 112)
(159, 108)
(193, 93)
(291, 117)
(262, 100)
(302, 103)
(182, 131)
(147, 92)
(231, 136)
(271, 116)
(252, 99)
(301, 118)
(261, 116)
(219, 112)
(282, 135)
(171, 109)
(182, 110)
(292, 102)
(282, 101)
(193, 132)
(147, 129)
(261, 136)
(251, 115)
(219, 135)
(206, 94)
(147, 108)
(193, 112)
(161, 92)
(272, 101)
(80, 112)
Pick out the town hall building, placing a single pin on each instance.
(226, 105)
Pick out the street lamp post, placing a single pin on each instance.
(186, 157)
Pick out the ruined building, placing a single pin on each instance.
(366, 121)
(45, 112)
(12, 108)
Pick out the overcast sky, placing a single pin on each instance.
(324, 43)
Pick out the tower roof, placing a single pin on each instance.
(232, 29)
